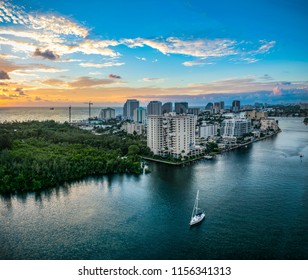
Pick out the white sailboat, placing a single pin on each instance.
(197, 215)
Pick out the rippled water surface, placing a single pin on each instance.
(256, 203)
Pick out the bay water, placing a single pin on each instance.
(255, 200)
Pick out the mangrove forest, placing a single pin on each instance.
(37, 155)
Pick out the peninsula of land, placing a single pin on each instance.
(38, 155)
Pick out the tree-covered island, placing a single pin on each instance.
(37, 155)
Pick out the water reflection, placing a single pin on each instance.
(6, 200)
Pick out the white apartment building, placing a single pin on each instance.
(207, 130)
(130, 128)
(235, 127)
(171, 134)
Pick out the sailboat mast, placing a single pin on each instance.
(197, 214)
(197, 199)
(194, 212)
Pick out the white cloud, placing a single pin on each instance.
(42, 37)
(62, 35)
(27, 41)
(97, 47)
(23, 73)
(141, 58)
(193, 63)
(204, 48)
(67, 60)
(95, 73)
(58, 25)
(18, 45)
(132, 43)
(196, 48)
(39, 70)
(250, 60)
(101, 65)
(47, 22)
(8, 56)
(49, 31)
(266, 46)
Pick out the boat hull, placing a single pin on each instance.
(196, 220)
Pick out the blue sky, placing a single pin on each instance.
(69, 52)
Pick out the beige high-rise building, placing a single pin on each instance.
(254, 115)
(107, 113)
(269, 123)
(171, 134)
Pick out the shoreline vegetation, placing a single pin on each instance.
(39, 155)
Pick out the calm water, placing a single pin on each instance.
(59, 114)
(256, 203)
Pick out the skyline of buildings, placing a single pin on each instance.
(180, 132)
(156, 107)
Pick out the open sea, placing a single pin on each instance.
(59, 114)
(255, 200)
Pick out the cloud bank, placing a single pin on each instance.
(58, 35)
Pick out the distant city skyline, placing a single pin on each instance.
(56, 53)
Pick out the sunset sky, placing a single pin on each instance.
(59, 53)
